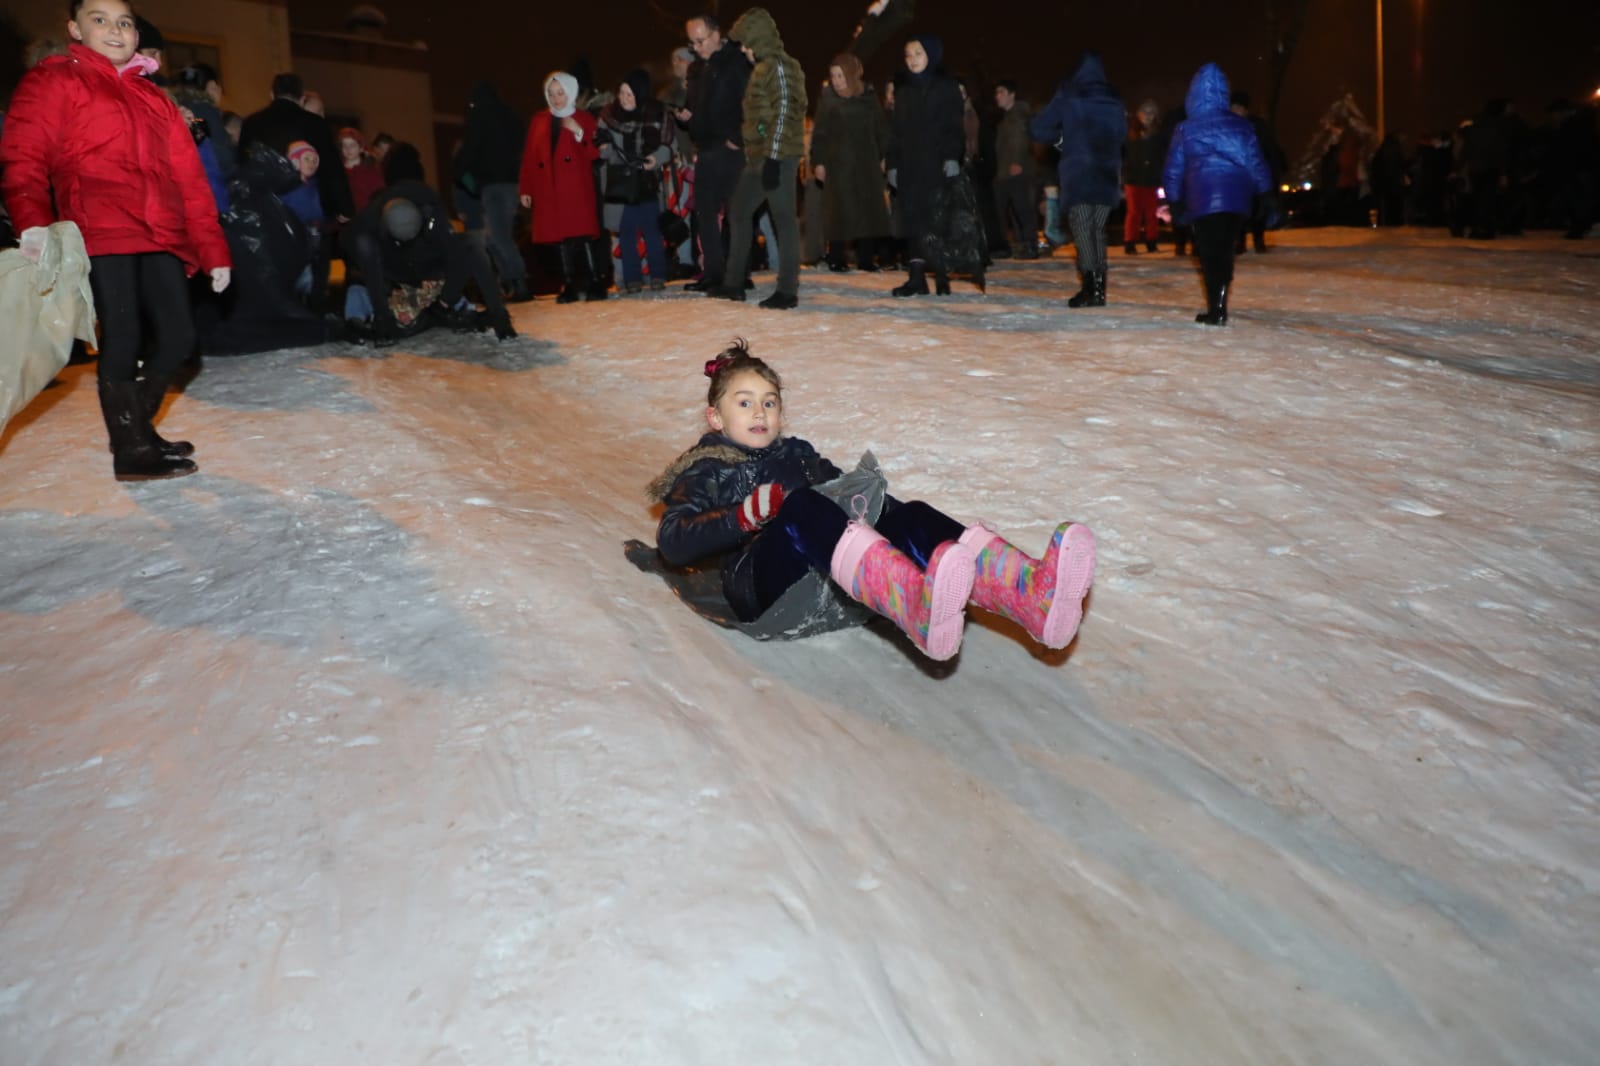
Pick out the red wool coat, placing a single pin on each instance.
(560, 180)
(117, 157)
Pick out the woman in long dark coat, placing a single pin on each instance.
(926, 144)
(1087, 119)
(848, 145)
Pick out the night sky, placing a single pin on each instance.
(1444, 58)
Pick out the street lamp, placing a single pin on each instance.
(1380, 69)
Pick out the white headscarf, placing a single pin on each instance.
(567, 82)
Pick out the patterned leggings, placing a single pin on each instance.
(1088, 222)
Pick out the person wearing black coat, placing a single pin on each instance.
(403, 237)
(278, 126)
(1087, 119)
(1277, 164)
(486, 167)
(927, 141)
(714, 114)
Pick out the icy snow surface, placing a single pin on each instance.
(365, 745)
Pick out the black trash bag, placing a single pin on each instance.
(259, 311)
(957, 243)
(813, 605)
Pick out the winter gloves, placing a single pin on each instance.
(771, 175)
(759, 507)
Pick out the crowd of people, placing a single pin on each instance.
(225, 240)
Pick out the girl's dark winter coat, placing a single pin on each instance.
(849, 141)
(703, 489)
(1215, 164)
(926, 131)
(1087, 117)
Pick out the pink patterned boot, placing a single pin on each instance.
(1044, 596)
(929, 607)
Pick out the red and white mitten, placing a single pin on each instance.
(759, 507)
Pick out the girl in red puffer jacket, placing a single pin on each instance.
(92, 141)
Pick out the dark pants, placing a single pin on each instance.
(1214, 237)
(747, 198)
(500, 217)
(803, 534)
(716, 174)
(130, 290)
(1016, 204)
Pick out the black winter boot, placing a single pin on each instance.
(916, 284)
(1216, 312)
(135, 456)
(1097, 288)
(569, 272)
(1084, 297)
(151, 393)
(941, 283)
(1149, 246)
(600, 271)
(1130, 248)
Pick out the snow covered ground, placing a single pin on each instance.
(365, 745)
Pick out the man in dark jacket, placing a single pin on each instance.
(284, 121)
(486, 167)
(403, 238)
(1277, 163)
(279, 125)
(714, 114)
(1016, 194)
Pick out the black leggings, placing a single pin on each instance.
(1214, 236)
(130, 290)
(803, 534)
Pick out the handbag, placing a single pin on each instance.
(629, 184)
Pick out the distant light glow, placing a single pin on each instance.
(1306, 186)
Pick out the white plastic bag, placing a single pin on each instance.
(43, 307)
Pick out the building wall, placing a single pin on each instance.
(381, 99)
(251, 37)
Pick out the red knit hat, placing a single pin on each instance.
(298, 149)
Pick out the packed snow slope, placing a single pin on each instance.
(366, 745)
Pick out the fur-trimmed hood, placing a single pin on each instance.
(710, 446)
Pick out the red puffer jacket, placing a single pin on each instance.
(559, 178)
(116, 155)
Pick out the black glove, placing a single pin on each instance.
(771, 175)
(1180, 212)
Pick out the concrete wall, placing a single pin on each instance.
(252, 37)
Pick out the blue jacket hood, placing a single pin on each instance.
(1208, 92)
(1091, 73)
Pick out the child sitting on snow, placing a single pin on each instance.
(745, 492)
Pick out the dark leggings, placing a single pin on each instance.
(1214, 236)
(802, 536)
(132, 289)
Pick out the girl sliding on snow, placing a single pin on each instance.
(746, 492)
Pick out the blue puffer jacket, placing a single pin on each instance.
(1087, 117)
(1215, 163)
